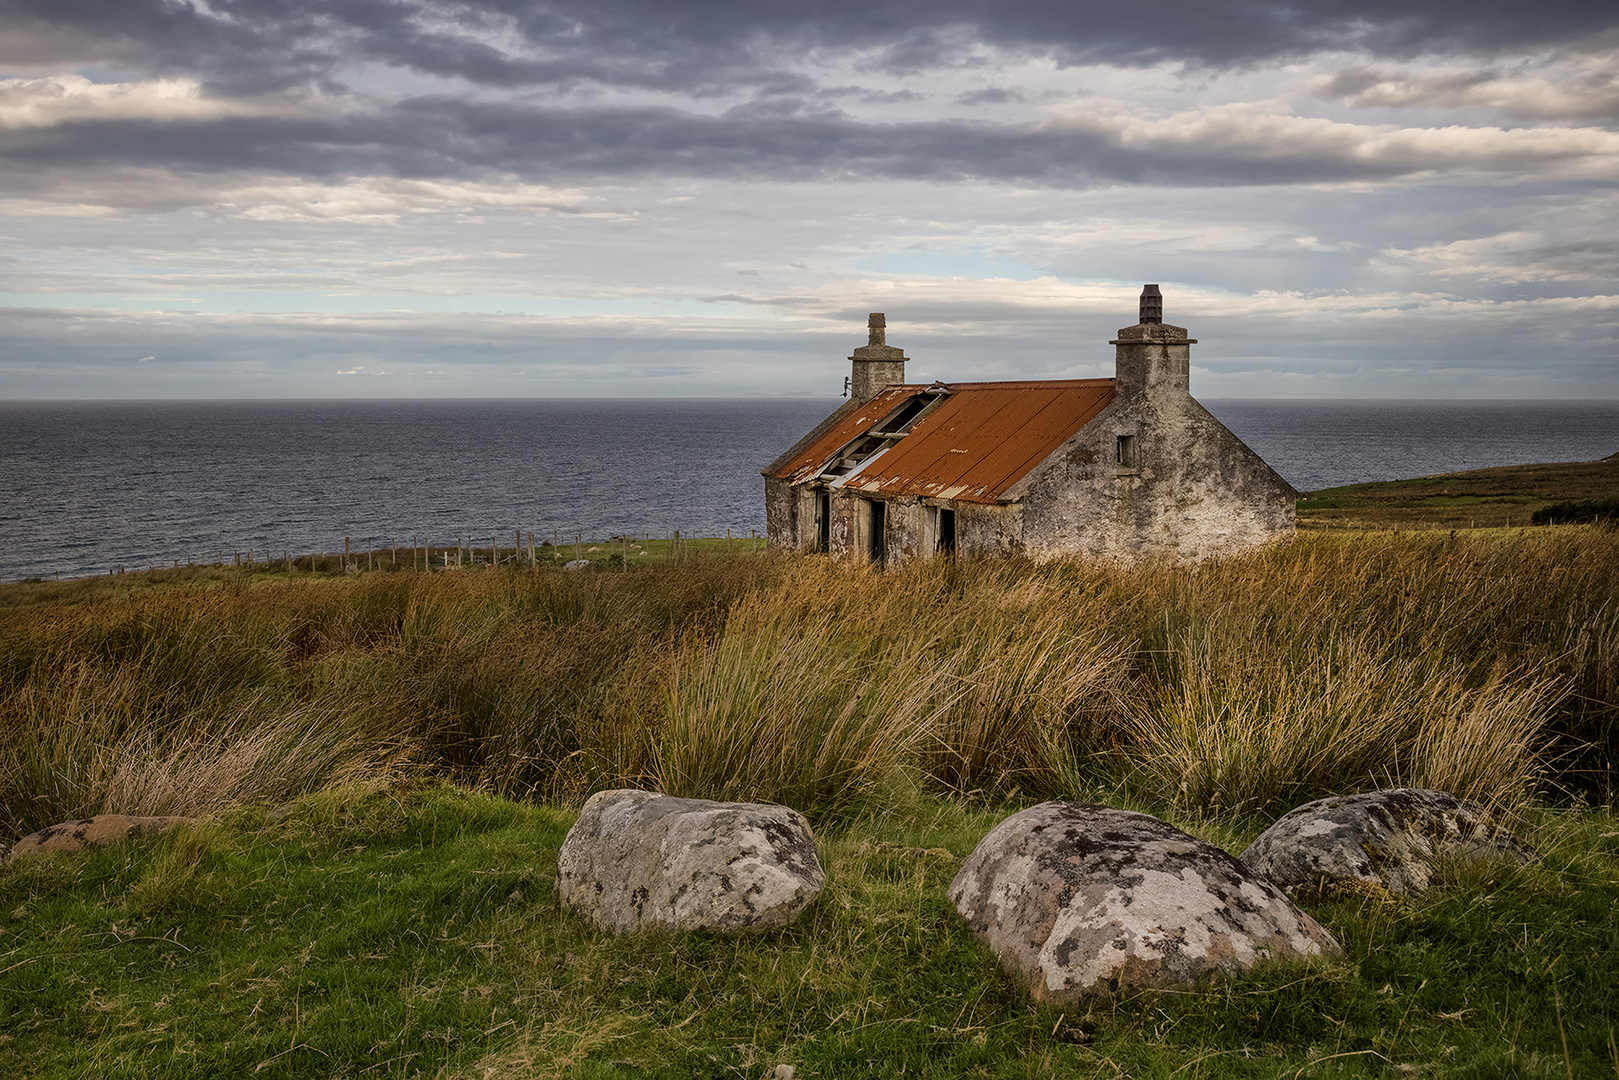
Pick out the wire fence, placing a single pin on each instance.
(420, 554)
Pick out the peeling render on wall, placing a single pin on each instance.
(1127, 467)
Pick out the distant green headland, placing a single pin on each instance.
(1505, 497)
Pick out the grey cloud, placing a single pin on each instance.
(1590, 94)
(451, 137)
(713, 43)
(779, 302)
(1515, 259)
(1472, 352)
(426, 355)
(990, 95)
(868, 96)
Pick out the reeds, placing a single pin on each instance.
(1486, 665)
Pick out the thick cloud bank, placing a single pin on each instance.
(623, 197)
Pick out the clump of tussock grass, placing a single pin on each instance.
(479, 675)
(97, 742)
(1242, 719)
(815, 713)
(1034, 686)
(1488, 664)
(825, 686)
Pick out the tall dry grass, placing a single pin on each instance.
(1488, 665)
(1241, 718)
(1039, 679)
(814, 713)
(95, 741)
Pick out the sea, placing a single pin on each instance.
(88, 486)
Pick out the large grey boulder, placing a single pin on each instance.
(636, 859)
(1390, 839)
(90, 832)
(1081, 901)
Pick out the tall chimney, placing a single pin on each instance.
(1152, 355)
(876, 364)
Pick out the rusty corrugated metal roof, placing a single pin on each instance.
(973, 446)
(807, 462)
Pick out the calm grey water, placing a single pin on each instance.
(91, 485)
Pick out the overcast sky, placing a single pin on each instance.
(386, 198)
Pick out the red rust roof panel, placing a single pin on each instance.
(984, 438)
(808, 462)
(973, 446)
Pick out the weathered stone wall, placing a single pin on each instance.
(845, 533)
(873, 375)
(983, 530)
(1193, 490)
(781, 516)
(908, 532)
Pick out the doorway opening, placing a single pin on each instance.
(879, 540)
(945, 531)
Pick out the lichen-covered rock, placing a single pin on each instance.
(90, 832)
(636, 859)
(1080, 900)
(1388, 838)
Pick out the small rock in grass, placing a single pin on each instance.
(636, 859)
(1389, 839)
(1081, 901)
(90, 832)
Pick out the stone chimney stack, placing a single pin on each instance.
(1152, 356)
(876, 364)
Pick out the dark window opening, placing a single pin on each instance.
(946, 544)
(879, 541)
(901, 420)
(1127, 452)
(823, 520)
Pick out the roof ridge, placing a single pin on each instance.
(1098, 381)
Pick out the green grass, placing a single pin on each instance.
(395, 923)
(1500, 497)
(410, 931)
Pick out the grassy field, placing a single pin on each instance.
(1480, 498)
(401, 930)
(422, 739)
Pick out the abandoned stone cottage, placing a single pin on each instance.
(1124, 467)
